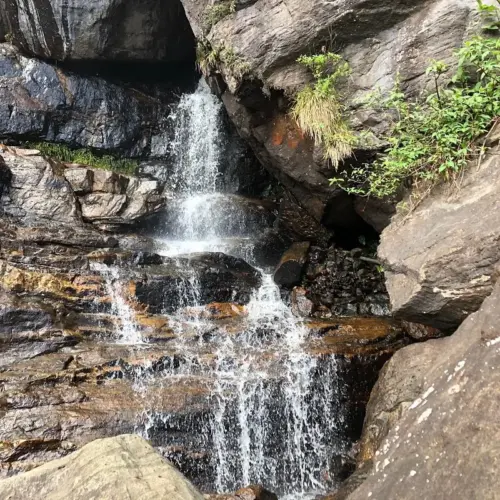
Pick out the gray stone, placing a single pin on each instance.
(436, 410)
(80, 178)
(301, 305)
(38, 100)
(379, 40)
(151, 30)
(102, 205)
(125, 467)
(37, 192)
(440, 261)
(106, 181)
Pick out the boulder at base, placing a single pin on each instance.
(121, 468)
(440, 263)
(436, 408)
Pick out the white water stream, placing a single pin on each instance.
(274, 407)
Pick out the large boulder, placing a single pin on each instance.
(125, 467)
(379, 39)
(46, 191)
(41, 101)
(440, 261)
(151, 30)
(433, 416)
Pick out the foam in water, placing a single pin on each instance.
(274, 408)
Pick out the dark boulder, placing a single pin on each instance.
(42, 102)
(298, 224)
(215, 276)
(290, 269)
(112, 30)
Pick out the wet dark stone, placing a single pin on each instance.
(221, 278)
(291, 266)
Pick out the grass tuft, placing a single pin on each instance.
(318, 110)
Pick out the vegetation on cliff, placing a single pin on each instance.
(434, 138)
(85, 156)
(209, 57)
(216, 12)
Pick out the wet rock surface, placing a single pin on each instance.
(111, 30)
(440, 263)
(136, 471)
(442, 418)
(43, 102)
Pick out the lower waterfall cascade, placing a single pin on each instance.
(275, 418)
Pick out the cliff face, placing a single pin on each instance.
(378, 39)
(150, 30)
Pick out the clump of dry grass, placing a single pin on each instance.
(320, 116)
(318, 110)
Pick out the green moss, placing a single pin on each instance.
(85, 156)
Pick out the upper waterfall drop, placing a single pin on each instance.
(197, 142)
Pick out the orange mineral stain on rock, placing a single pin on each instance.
(286, 131)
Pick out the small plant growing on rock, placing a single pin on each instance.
(434, 138)
(209, 57)
(84, 156)
(216, 12)
(318, 109)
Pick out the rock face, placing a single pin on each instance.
(443, 418)
(54, 192)
(440, 263)
(379, 40)
(40, 101)
(123, 467)
(36, 189)
(106, 30)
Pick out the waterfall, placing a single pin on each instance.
(274, 413)
(126, 330)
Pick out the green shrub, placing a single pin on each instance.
(318, 109)
(434, 138)
(84, 156)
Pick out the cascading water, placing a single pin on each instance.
(127, 331)
(274, 416)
